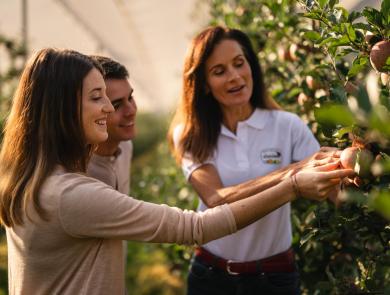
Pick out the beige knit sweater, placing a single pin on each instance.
(79, 250)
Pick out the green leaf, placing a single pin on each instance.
(365, 27)
(385, 10)
(359, 63)
(312, 36)
(335, 42)
(341, 14)
(343, 41)
(294, 92)
(313, 15)
(308, 237)
(342, 131)
(363, 99)
(332, 3)
(354, 15)
(338, 95)
(334, 114)
(386, 67)
(373, 16)
(327, 40)
(322, 3)
(381, 203)
(350, 31)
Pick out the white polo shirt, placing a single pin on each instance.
(268, 140)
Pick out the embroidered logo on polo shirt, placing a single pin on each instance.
(271, 156)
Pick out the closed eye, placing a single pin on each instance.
(218, 71)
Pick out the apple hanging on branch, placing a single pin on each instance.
(358, 159)
(379, 54)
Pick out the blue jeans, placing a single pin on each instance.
(206, 280)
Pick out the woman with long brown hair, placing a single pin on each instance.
(232, 141)
(64, 229)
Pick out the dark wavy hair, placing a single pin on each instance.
(199, 111)
(43, 130)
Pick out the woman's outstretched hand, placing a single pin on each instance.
(323, 156)
(321, 180)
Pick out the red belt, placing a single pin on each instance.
(282, 262)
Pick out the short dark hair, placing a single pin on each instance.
(112, 69)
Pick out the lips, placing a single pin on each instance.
(129, 124)
(236, 89)
(101, 122)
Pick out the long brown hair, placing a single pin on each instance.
(43, 129)
(199, 111)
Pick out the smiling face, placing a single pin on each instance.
(121, 123)
(228, 75)
(95, 107)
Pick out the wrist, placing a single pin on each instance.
(295, 186)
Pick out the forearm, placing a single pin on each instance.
(249, 210)
(251, 187)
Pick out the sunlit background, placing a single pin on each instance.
(150, 38)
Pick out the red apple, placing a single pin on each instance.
(380, 52)
(357, 159)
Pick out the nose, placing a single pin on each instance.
(233, 74)
(107, 107)
(130, 108)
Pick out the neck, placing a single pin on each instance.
(107, 148)
(231, 116)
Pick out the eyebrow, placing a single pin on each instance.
(96, 89)
(218, 65)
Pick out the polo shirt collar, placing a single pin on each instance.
(257, 120)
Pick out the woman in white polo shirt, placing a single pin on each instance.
(229, 137)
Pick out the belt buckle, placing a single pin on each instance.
(229, 271)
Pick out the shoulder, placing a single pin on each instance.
(70, 189)
(177, 132)
(284, 115)
(62, 183)
(286, 118)
(77, 192)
